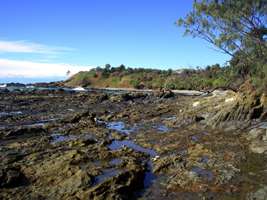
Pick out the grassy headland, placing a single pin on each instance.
(209, 78)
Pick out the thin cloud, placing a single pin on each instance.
(30, 47)
(23, 68)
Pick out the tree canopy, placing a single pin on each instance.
(233, 26)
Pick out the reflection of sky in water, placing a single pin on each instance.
(56, 138)
(106, 174)
(162, 128)
(4, 114)
(203, 173)
(120, 127)
(204, 159)
(116, 144)
(263, 125)
(149, 176)
(115, 161)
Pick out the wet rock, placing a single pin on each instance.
(10, 156)
(199, 118)
(25, 131)
(260, 194)
(11, 177)
(114, 166)
(254, 133)
(203, 173)
(83, 142)
(116, 162)
(225, 174)
(81, 179)
(127, 97)
(183, 179)
(164, 93)
(118, 136)
(84, 115)
(121, 186)
(264, 136)
(61, 174)
(196, 151)
(102, 97)
(247, 106)
(120, 127)
(164, 164)
(256, 112)
(264, 115)
(258, 146)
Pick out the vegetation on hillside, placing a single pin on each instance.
(140, 78)
(237, 28)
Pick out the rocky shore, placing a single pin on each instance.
(67, 144)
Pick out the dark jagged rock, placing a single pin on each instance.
(102, 97)
(110, 145)
(132, 96)
(16, 85)
(164, 94)
(256, 112)
(76, 118)
(118, 187)
(25, 131)
(11, 177)
(199, 118)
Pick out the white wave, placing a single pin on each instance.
(79, 89)
(3, 85)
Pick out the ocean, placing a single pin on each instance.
(26, 80)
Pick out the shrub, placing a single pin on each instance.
(135, 83)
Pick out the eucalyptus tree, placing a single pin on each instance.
(236, 27)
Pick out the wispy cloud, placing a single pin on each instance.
(7, 46)
(19, 68)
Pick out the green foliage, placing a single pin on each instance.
(81, 79)
(115, 81)
(212, 76)
(220, 82)
(237, 26)
(259, 78)
(135, 83)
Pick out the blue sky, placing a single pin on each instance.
(45, 38)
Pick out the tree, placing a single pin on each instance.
(169, 72)
(122, 68)
(107, 67)
(233, 26)
(98, 69)
(106, 71)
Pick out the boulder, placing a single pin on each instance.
(254, 133)
(258, 146)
